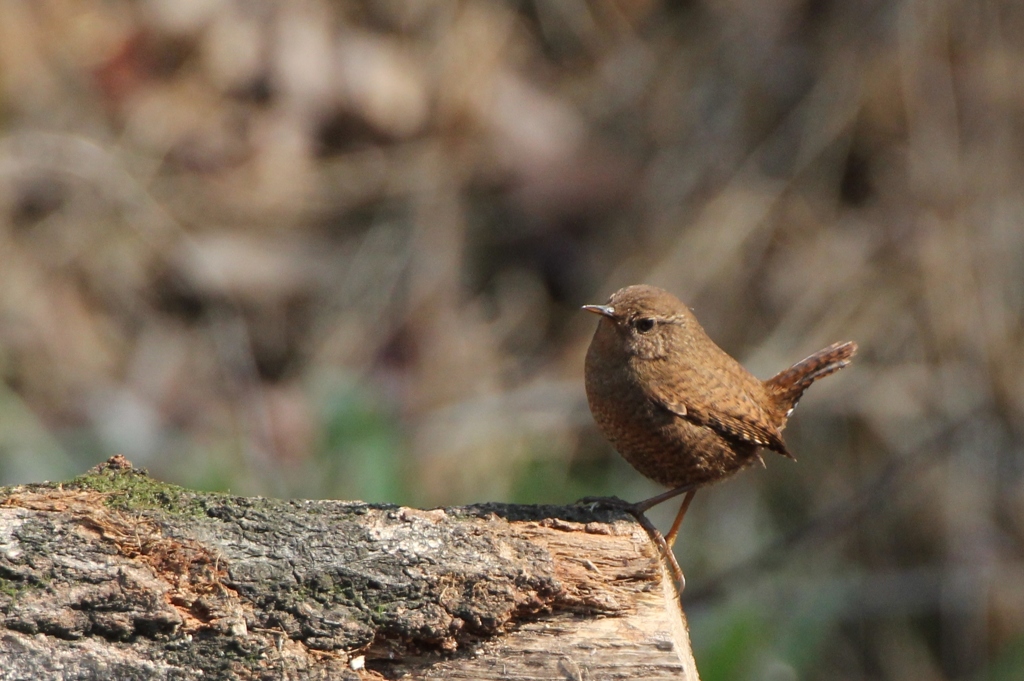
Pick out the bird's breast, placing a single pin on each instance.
(659, 444)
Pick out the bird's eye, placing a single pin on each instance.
(644, 325)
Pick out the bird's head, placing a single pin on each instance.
(645, 322)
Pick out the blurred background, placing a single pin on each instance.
(337, 250)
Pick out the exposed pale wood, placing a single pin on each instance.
(116, 576)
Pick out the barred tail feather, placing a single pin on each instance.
(787, 387)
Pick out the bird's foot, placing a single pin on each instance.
(610, 503)
(637, 510)
(664, 549)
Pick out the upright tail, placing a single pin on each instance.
(788, 386)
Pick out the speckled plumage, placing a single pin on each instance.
(673, 403)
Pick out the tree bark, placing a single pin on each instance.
(115, 575)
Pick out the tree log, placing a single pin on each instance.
(115, 575)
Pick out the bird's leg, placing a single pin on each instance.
(635, 508)
(648, 504)
(670, 538)
(666, 552)
(638, 509)
(665, 543)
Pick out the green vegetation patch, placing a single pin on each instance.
(128, 489)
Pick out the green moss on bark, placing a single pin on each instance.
(129, 489)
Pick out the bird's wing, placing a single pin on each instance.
(739, 421)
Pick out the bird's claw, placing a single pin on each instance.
(610, 503)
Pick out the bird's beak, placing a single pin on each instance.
(605, 310)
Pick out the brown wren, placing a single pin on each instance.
(675, 405)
